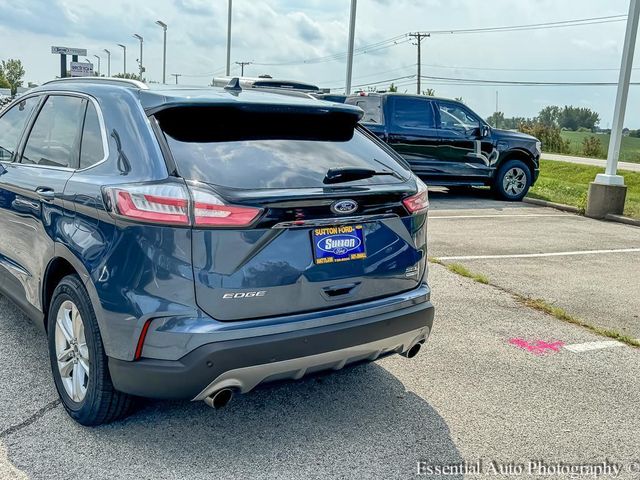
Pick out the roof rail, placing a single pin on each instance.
(107, 80)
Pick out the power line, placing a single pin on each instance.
(377, 74)
(435, 80)
(404, 38)
(475, 81)
(535, 26)
(498, 69)
(374, 47)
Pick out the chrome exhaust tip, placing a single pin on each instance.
(413, 350)
(219, 399)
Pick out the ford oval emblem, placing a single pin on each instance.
(344, 207)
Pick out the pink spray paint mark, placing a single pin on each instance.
(539, 347)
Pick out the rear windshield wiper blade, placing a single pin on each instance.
(348, 174)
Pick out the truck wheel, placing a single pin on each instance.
(78, 362)
(512, 181)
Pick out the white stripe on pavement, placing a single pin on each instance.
(587, 347)
(505, 215)
(534, 255)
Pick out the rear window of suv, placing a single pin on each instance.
(276, 151)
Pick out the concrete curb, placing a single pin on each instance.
(622, 219)
(569, 208)
(557, 206)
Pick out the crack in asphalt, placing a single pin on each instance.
(31, 419)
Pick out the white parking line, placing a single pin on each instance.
(505, 215)
(534, 255)
(587, 347)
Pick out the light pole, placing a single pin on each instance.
(108, 62)
(164, 51)
(89, 62)
(124, 49)
(98, 64)
(352, 31)
(607, 192)
(229, 40)
(139, 37)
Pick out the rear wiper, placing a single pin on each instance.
(348, 174)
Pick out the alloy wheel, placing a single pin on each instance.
(72, 353)
(514, 181)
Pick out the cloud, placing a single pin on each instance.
(195, 7)
(289, 31)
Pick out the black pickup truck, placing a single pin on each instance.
(446, 143)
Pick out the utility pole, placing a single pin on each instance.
(419, 36)
(242, 64)
(497, 109)
(229, 40)
(164, 51)
(352, 33)
(98, 57)
(176, 75)
(108, 62)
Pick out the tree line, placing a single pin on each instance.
(565, 118)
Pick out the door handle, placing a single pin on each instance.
(45, 193)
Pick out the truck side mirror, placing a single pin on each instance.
(485, 131)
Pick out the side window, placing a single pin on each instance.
(454, 117)
(12, 123)
(55, 136)
(91, 147)
(412, 112)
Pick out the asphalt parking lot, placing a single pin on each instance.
(498, 381)
(589, 268)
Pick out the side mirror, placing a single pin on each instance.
(485, 131)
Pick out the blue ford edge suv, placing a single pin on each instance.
(194, 243)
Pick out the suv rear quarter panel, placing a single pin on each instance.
(133, 272)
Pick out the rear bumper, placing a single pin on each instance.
(244, 363)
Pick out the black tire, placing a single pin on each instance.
(101, 403)
(520, 172)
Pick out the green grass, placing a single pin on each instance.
(629, 149)
(568, 183)
(561, 314)
(465, 272)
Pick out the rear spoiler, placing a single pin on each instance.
(226, 121)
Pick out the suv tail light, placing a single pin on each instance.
(171, 203)
(210, 211)
(161, 203)
(418, 202)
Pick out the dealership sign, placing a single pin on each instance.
(80, 69)
(81, 52)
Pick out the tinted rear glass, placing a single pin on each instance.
(293, 152)
(370, 105)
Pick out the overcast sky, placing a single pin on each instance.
(281, 31)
